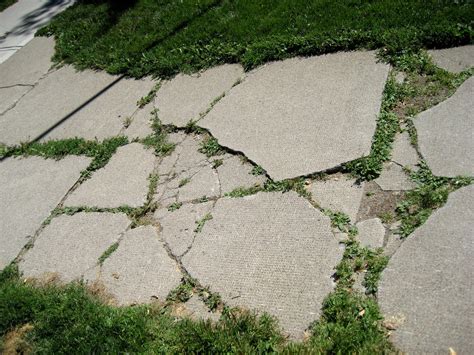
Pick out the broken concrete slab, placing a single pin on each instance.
(271, 252)
(140, 270)
(31, 188)
(205, 183)
(454, 59)
(11, 95)
(446, 131)
(403, 153)
(96, 110)
(428, 281)
(371, 233)
(29, 64)
(394, 178)
(140, 123)
(122, 182)
(186, 97)
(234, 173)
(197, 310)
(302, 115)
(341, 194)
(71, 245)
(178, 227)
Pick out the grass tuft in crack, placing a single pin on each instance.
(57, 149)
(431, 193)
(210, 147)
(200, 224)
(110, 250)
(158, 139)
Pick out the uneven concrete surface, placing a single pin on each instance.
(371, 233)
(393, 177)
(428, 282)
(96, 110)
(454, 59)
(403, 153)
(271, 252)
(122, 182)
(30, 188)
(302, 115)
(186, 97)
(178, 227)
(446, 131)
(71, 245)
(140, 270)
(339, 194)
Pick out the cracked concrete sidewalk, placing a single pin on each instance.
(146, 220)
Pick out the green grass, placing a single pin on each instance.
(6, 3)
(101, 152)
(144, 37)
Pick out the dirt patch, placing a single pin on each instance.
(378, 203)
(15, 343)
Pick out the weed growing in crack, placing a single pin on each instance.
(149, 97)
(200, 224)
(183, 292)
(431, 193)
(127, 121)
(341, 221)
(210, 299)
(175, 206)
(192, 127)
(217, 163)
(244, 191)
(158, 139)
(210, 147)
(108, 252)
(257, 170)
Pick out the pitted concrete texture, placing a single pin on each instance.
(446, 131)
(371, 233)
(272, 252)
(178, 227)
(338, 195)
(454, 59)
(71, 245)
(30, 188)
(393, 178)
(302, 115)
(233, 173)
(198, 310)
(80, 104)
(29, 64)
(123, 181)
(403, 153)
(428, 282)
(185, 97)
(140, 270)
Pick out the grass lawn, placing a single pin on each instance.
(142, 37)
(6, 3)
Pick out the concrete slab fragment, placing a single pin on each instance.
(393, 178)
(339, 195)
(140, 270)
(271, 252)
(71, 245)
(302, 115)
(403, 153)
(371, 233)
(184, 157)
(29, 64)
(203, 183)
(178, 227)
(185, 97)
(428, 282)
(11, 95)
(86, 104)
(454, 59)
(30, 189)
(140, 126)
(122, 182)
(234, 173)
(446, 131)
